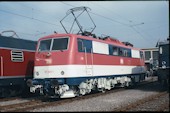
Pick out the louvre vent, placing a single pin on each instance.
(17, 56)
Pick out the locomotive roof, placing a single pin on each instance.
(10, 42)
(108, 40)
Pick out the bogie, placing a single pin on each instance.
(85, 87)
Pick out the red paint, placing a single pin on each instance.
(11, 68)
(73, 57)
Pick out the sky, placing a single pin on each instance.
(142, 23)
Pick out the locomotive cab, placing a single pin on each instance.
(52, 55)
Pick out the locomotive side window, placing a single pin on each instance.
(125, 53)
(45, 45)
(84, 44)
(129, 53)
(17, 56)
(115, 50)
(120, 52)
(60, 44)
(80, 45)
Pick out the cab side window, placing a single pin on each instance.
(84, 45)
(80, 45)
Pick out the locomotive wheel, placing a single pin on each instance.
(103, 90)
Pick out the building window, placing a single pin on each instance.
(147, 55)
(155, 55)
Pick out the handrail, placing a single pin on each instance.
(14, 33)
(92, 59)
(85, 53)
(2, 73)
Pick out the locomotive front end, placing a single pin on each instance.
(51, 60)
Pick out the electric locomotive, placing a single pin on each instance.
(69, 65)
(16, 64)
(163, 69)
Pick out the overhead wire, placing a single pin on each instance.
(31, 18)
(27, 17)
(56, 24)
(127, 25)
(131, 26)
(33, 9)
(98, 15)
(12, 25)
(37, 10)
(113, 12)
(111, 19)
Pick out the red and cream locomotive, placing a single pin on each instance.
(69, 65)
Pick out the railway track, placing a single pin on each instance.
(40, 103)
(34, 104)
(8, 99)
(143, 101)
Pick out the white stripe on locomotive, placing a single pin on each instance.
(83, 71)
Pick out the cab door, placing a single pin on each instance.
(89, 62)
(85, 46)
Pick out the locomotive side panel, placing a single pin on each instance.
(16, 64)
(20, 65)
(99, 56)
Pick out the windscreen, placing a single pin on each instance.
(60, 44)
(45, 45)
(56, 43)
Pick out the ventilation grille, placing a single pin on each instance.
(17, 56)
